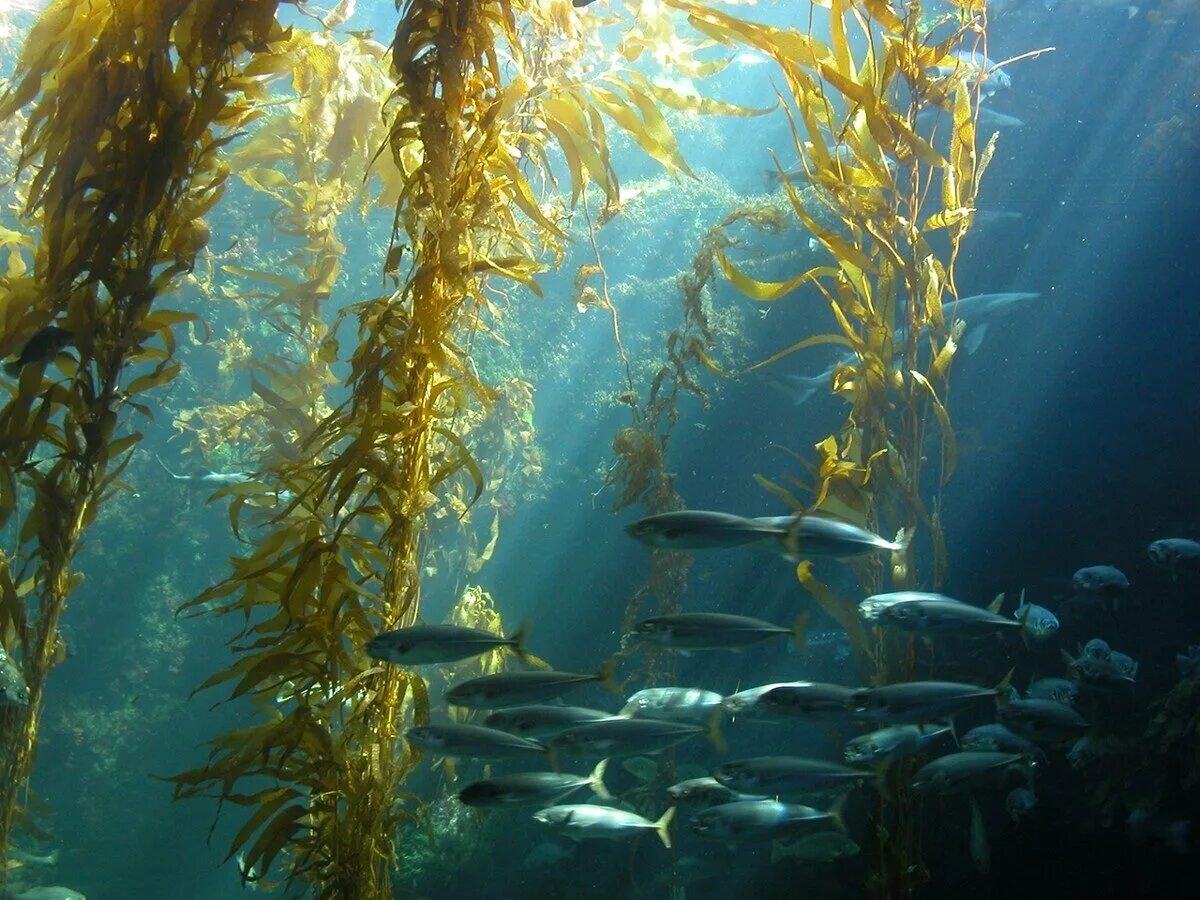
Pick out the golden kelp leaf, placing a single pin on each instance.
(840, 609)
(277, 834)
(802, 345)
(767, 291)
(945, 356)
(949, 445)
(881, 11)
(153, 379)
(781, 492)
(948, 217)
(651, 135)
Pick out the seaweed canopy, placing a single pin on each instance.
(129, 105)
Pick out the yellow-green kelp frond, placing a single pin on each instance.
(126, 107)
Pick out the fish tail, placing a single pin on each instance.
(596, 780)
(800, 630)
(1002, 687)
(662, 826)
(605, 676)
(712, 730)
(994, 606)
(516, 643)
(837, 811)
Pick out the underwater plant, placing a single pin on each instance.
(117, 174)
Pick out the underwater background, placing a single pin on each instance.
(1078, 423)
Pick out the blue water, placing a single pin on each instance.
(1079, 420)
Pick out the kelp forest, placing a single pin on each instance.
(283, 298)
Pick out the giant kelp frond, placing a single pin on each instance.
(128, 105)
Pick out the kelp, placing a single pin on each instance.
(888, 210)
(484, 94)
(127, 106)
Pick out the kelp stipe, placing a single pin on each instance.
(118, 171)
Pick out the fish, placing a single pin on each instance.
(13, 689)
(472, 741)
(995, 738)
(541, 720)
(1042, 721)
(675, 704)
(580, 4)
(521, 688)
(824, 846)
(420, 645)
(921, 701)
(1040, 624)
(1146, 826)
(807, 699)
(758, 820)
(983, 73)
(1060, 690)
(582, 821)
(41, 348)
(528, 788)
(802, 388)
(52, 892)
(895, 742)
(964, 770)
(714, 631)
(796, 537)
(1104, 580)
(748, 703)
(977, 307)
(704, 792)
(643, 768)
(213, 480)
(1019, 803)
(937, 614)
(1099, 666)
(1175, 554)
(774, 776)
(624, 736)
(993, 118)
(988, 217)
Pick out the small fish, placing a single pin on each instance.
(759, 820)
(938, 614)
(978, 310)
(964, 770)
(472, 741)
(584, 822)
(824, 846)
(895, 742)
(775, 776)
(921, 701)
(1040, 624)
(995, 739)
(992, 118)
(213, 480)
(806, 699)
(529, 788)
(623, 736)
(1019, 803)
(1146, 826)
(1042, 721)
(1103, 580)
(675, 704)
(704, 792)
(521, 688)
(41, 348)
(1099, 666)
(1060, 690)
(983, 72)
(714, 631)
(13, 689)
(1175, 554)
(539, 721)
(420, 645)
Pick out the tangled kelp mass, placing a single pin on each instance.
(366, 320)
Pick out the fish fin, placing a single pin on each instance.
(168, 471)
(1002, 687)
(975, 338)
(800, 631)
(994, 606)
(517, 643)
(605, 676)
(837, 810)
(628, 711)
(662, 826)
(712, 730)
(597, 780)
(954, 732)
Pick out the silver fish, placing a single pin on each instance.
(420, 645)
(785, 775)
(964, 770)
(713, 631)
(521, 688)
(529, 788)
(472, 741)
(995, 739)
(1040, 624)
(675, 704)
(584, 822)
(541, 720)
(1100, 580)
(704, 792)
(936, 614)
(1060, 690)
(1175, 554)
(895, 742)
(758, 820)
(920, 701)
(1042, 721)
(623, 736)
(807, 699)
